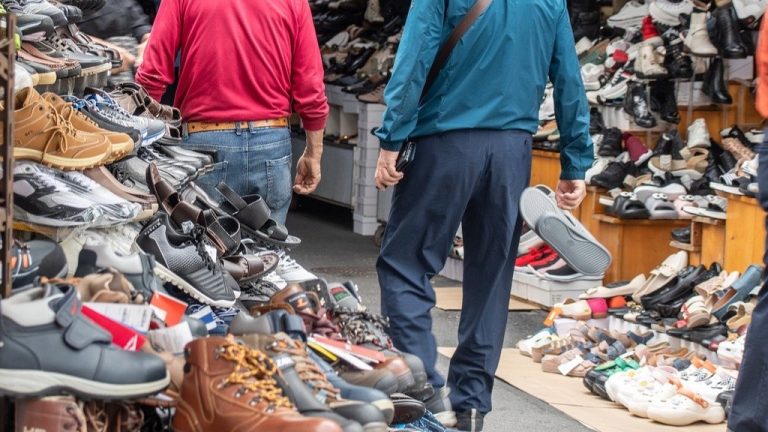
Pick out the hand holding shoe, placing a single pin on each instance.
(570, 193)
(386, 173)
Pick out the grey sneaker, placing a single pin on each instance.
(471, 421)
(151, 130)
(49, 348)
(184, 261)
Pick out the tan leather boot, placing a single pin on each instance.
(228, 387)
(122, 144)
(43, 136)
(50, 414)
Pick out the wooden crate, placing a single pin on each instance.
(637, 246)
(744, 233)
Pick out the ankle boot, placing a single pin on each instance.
(714, 84)
(678, 64)
(697, 40)
(228, 386)
(729, 40)
(664, 102)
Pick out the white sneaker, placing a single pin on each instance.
(291, 271)
(528, 241)
(526, 345)
(275, 280)
(755, 136)
(697, 39)
(616, 89)
(583, 45)
(547, 107)
(630, 16)
(590, 74)
(698, 134)
(749, 8)
(668, 13)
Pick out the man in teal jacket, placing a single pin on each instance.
(473, 133)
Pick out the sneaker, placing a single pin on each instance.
(547, 108)
(590, 74)
(648, 64)
(598, 166)
(104, 120)
(698, 134)
(528, 242)
(42, 7)
(33, 259)
(616, 89)
(41, 199)
(612, 176)
(40, 320)
(151, 129)
(290, 271)
(630, 16)
(668, 12)
(110, 205)
(440, 406)
(138, 267)
(185, 261)
(610, 146)
(43, 136)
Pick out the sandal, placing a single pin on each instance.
(659, 207)
(695, 313)
(627, 206)
(254, 216)
(245, 268)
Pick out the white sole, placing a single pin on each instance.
(446, 418)
(22, 382)
(168, 276)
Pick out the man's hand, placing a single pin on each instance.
(570, 193)
(386, 174)
(307, 174)
(140, 50)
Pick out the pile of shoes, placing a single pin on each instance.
(358, 41)
(678, 179)
(555, 246)
(671, 348)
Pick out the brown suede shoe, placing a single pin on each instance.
(56, 413)
(43, 136)
(228, 387)
(122, 144)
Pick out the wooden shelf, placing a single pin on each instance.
(708, 221)
(684, 246)
(546, 154)
(674, 223)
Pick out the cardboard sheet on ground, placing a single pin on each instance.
(450, 299)
(568, 395)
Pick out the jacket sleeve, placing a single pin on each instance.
(156, 73)
(307, 87)
(762, 70)
(571, 107)
(415, 55)
(139, 21)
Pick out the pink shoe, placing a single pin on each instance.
(599, 307)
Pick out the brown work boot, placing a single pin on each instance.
(52, 414)
(307, 305)
(228, 387)
(43, 136)
(122, 144)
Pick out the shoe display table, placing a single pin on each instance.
(635, 245)
(744, 232)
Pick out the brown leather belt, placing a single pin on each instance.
(195, 127)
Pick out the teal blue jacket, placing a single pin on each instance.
(494, 78)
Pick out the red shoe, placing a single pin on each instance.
(533, 255)
(649, 28)
(546, 261)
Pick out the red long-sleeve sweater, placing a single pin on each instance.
(241, 60)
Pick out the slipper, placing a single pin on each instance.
(627, 206)
(715, 209)
(659, 207)
(564, 233)
(254, 216)
(616, 289)
(663, 274)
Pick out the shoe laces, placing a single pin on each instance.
(307, 370)
(254, 372)
(61, 129)
(287, 263)
(198, 235)
(80, 179)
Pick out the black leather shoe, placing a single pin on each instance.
(676, 61)
(612, 176)
(682, 235)
(714, 84)
(407, 409)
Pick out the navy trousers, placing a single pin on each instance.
(474, 177)
(750, 402)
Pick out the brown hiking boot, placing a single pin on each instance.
(122, 144)
(43, 136)
(56, 413)
(228, 386)
(315, 317)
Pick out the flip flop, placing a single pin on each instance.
(627, 206)
(564, 233)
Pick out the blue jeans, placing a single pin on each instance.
(250, 161)
(472, 177)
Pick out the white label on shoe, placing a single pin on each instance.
(172, 339)
(159, 313)
(137, 317)
(212, 252)
(567, 367)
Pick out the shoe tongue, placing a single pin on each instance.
(339, 296)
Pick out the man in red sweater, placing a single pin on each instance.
(244, 66)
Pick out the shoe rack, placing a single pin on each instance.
(8, 50)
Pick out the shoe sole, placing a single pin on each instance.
(57, 161)
(567, 237)
(95, 70)
(44, 221)
(35, 383)
(168, 276)
(375, 427)
(447, 418)
(47, 78)
(386, 407)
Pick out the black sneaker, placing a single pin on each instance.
(612, 176)
(185, 261)
(34, 259)
(470, 421)
(611, 144)
(636, 105)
